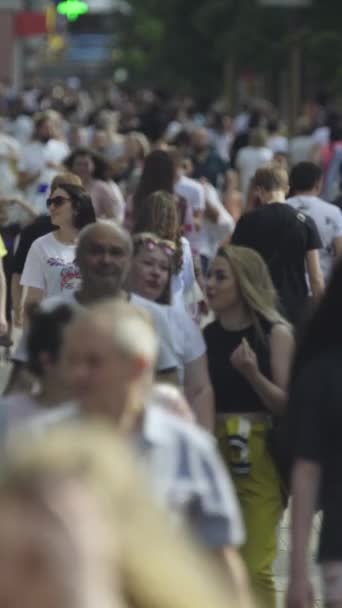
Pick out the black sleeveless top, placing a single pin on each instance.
(233, 394)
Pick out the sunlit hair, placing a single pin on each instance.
(65, 178)
(254, 283)
(130, 328)
(156, 564)
(271, 178)
(159, 214)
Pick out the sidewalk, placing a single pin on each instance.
(281, 564)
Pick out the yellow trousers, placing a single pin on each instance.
(261, 504)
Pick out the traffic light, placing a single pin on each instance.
(72, 9)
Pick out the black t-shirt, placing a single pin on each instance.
(233, 394)
(212, 167)
(315, 414)
(41, 226)
(283, 237)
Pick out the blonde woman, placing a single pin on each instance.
(249, 351)
(153, 566)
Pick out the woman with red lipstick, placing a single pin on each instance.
(249, 352)
(150, 277)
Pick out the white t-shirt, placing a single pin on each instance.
(212, 234)
(248, 160)
(120, 202)
(21, 413)
(278, 143)
(50, 266)
(300, 149)
(183, 282)
(193, 192)
(183, 335)
(35, 157)
(167, 356)
(328, 219)
(167, 359)
(36, 154)
(9, 147)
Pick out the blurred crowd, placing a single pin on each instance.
(170, 288)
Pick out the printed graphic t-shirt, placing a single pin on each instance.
(50, 266)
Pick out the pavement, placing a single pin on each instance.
(281, 564)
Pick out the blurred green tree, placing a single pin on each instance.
(199, 46)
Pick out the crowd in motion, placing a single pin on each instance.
(170, 284)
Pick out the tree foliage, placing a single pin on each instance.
(186, 43)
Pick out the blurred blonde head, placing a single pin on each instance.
(155, 566)
(125, 323)
(109, 358)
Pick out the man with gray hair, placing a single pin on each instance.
(103, 256)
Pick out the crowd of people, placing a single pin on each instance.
(174, 276)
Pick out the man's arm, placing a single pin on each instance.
(314, 271)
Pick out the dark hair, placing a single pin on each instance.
(304, 177)
(101, 166)
(273, 125)
(159, 173)
(334, 122)
(323, 331)
(81, 203)
(45, 334)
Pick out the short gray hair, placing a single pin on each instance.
(117, 230)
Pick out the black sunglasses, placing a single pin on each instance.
(57, 201)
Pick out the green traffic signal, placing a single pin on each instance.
(72, 9)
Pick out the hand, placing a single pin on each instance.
(300, 593)
(244, 360)
(3, 327)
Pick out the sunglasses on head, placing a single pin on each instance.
(151, 242)
(56, 201)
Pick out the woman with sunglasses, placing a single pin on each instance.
(150, 277)
(249, 351)
(50, 267)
